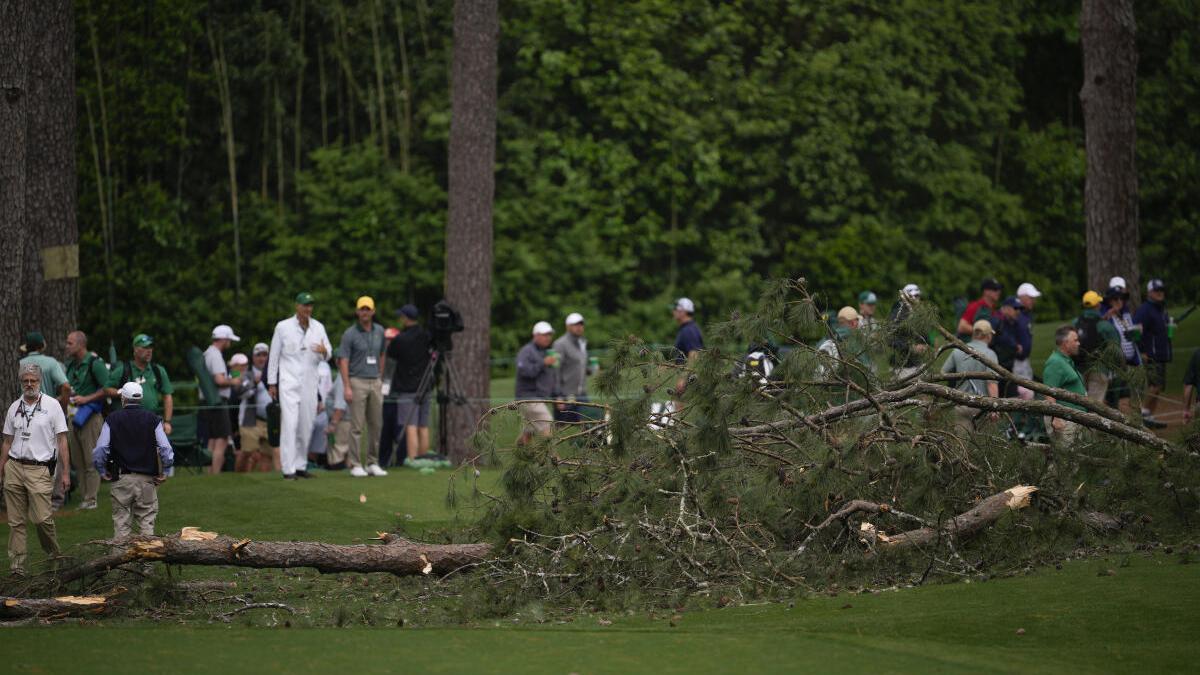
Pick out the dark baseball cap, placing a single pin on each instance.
(143, 340)
(1013, 301)
(990, 284)
(304, 298)
(1156, 285)
(409, 310)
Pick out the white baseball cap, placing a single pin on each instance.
(224, 332)
(239, 360)
(911, 290)
(131, 391)
(686, 305)
(262, 348)
(1118, 282)
(574, 318)
(542, 328)
(1029, 289)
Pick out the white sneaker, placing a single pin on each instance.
(88, 505)
(358, 472)
(376, 470)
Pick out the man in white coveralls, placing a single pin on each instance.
(298, 346)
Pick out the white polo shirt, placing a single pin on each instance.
(35, 428)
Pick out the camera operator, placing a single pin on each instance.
(409, 351)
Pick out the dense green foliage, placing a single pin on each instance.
(646, 150)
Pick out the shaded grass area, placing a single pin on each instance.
(1078, 619)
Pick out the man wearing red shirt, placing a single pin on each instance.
(989, 295)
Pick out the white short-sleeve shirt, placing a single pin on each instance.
(215, 362)
(35, 428)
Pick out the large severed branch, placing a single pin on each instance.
(964, 525)
(400, 557)
(65, 605)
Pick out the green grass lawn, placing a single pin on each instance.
(1075, 620)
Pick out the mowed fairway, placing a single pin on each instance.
(1141, 618)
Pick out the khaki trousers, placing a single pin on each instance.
(340, 450)
(1097, 384)
(1065, 435)
(366, 415)
(134, 502)
(27, 498)
(82, 440)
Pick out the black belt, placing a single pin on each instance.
(31, 462)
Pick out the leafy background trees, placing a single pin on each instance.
(645, 150)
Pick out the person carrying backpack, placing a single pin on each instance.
(156, 385)
(1096, 338)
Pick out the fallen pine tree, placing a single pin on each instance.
(396, 555)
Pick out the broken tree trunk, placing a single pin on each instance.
(964, 525)
(401, 557)
(66, 605)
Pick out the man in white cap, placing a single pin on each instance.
(573, 369)
(298, 347)
(134, 453)
(35, 439)
(537, 382)
(688, 343)
(216, 413)
(908, 346)
(1028, 294)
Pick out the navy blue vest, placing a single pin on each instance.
(131, 440)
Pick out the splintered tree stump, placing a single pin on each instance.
(401, 557)
(66, 605)
(964, 525)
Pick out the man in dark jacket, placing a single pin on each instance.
(537, 381)
(1007, 341)
(411, 387)
(1155, 346)
(909, 346)
(133, 452)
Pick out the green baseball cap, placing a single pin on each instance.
(143, 340)
(33, 341)
(304, 298)
(867, 298)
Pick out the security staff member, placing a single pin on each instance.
(133, 451)
(35, 433)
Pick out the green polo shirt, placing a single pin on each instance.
(53, 376)
(152, 389)
(1061, 373)
(88, 375)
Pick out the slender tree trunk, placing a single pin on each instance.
(324, 93)
(404, 96)
(280, 178)
(380, 89)
(14, 98)
(1109, 96)
(51, 261)
(297, 124)
(221, 70)
(472, 185)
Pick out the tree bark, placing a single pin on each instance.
(961, 526)
(66, 605)
(398, 556)
(50, 289)
(1109, 96)
(14, 98)
(472, 185)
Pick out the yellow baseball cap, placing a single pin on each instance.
(365, 301)
(1092, 299)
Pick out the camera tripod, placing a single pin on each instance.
(440, 375)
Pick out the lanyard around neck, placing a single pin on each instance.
(28, 413)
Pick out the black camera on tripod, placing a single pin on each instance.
(444, 323)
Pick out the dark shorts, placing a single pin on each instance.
(216, 422)
(411, 413)
(1156, 374)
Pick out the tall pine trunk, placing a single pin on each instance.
(1109, 96)
(14, 99)
(50, 288)
(469, 227)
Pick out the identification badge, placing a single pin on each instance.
(26, 435)
(371, 360)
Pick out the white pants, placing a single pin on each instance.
(297, 411)
(1022, 368)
